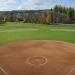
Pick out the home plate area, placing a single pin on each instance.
(37, 57)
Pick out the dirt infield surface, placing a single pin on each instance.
(41, 57)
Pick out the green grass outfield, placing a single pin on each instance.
(14, 31)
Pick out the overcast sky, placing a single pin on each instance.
(33, 4)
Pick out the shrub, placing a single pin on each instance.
(2, 22)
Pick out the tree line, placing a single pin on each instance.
(67, 12)
(58, 14)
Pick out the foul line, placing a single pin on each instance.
(71, 71)
(3, 71)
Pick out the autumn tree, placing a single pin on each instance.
(49, 18)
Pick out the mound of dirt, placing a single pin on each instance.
(41, 57)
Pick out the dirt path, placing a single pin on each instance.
(40, 57)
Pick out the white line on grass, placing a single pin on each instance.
(34, 29)
(18, 30)
(66, 30)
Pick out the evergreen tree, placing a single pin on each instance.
(71, 13)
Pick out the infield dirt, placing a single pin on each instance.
(37, 57)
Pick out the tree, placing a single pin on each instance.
(19, 17)
(71, 13)
(2, 20)
(56, 8)
(49, 18)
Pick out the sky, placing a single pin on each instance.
(8, 5)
